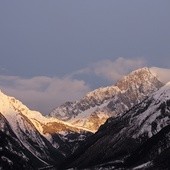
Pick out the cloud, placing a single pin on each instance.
(43, 93)
(161, 73)
(112, 70)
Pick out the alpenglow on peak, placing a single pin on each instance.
(97, 106)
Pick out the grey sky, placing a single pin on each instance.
(59, 37)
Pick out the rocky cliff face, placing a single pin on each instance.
(141, 133)
(97, 106)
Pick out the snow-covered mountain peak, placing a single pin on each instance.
(133, 78)
(163, 93)
(4, 97)
(31, 128)
(10, 105)
(7, 104)
(142, 76)
(12, 108)
(141, 71)
(95, 108)
(144, 70)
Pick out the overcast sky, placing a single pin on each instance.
(57, 50)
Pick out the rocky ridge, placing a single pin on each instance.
(97, 106)
(137, 138)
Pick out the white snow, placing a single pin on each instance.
(102, 92)
(140, 82)
(161, 73)
(163, 93)
(15, 112)
(145, 165)
(152, 113)
(88, 112)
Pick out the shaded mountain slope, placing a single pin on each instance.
(122, 135)
(41, 140)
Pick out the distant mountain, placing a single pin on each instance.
(137, 138)
(32, 139)
(135, 116)
(97, 106)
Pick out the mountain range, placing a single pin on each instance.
(123, 126)
(97, 106)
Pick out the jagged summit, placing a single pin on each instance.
(138, 107)
(97, 106)
(9, 105)
(136, 78)
(137, 137)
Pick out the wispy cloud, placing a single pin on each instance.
(43, 93)
(112, 70)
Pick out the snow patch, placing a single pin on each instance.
(145, 165)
